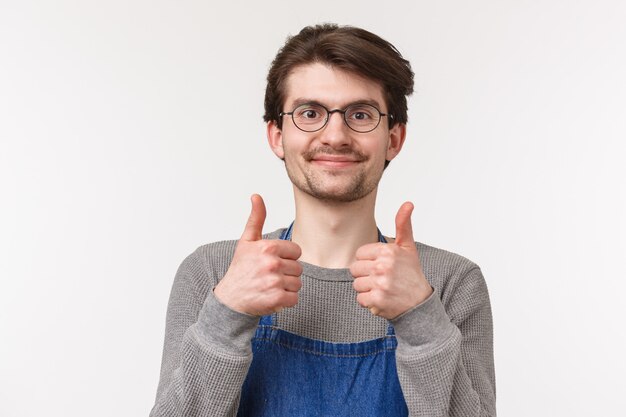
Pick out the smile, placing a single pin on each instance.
(334, 162)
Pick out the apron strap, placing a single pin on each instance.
(270, 319)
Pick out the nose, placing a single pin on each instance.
(336, 133)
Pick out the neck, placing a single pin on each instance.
(330, 233)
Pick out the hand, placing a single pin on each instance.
(388, 276)
(264, 275)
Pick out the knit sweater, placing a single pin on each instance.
(444, 356)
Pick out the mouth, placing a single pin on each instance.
(334, 161)
(327, 158)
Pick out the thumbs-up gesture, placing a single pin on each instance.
(388, 276)
(264, 275)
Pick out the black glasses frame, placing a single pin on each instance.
(330, 112)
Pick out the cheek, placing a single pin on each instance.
(291, 154)
(389, 151)
(381, 150)
(293, 146)
(288, 150)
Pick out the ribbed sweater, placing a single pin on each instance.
(444, 356)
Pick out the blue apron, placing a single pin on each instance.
(291, 375)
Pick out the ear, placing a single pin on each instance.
(275, 139)
(397, 134)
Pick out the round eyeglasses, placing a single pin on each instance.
(360, 117)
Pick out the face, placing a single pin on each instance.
(334, 164)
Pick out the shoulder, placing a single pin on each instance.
(453, 276)
(440, 262)
(443, 262)
(202, 269)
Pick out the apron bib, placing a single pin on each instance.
(291, 375)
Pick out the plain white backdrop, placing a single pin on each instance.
(131, 133)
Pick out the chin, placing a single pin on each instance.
(334, 187)
(337, 194)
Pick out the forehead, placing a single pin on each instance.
(330, 86)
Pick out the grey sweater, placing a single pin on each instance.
(444, 356)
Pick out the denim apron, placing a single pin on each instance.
(291, 375)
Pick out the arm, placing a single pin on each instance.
(218, 295)
(445, 354)
(207, 351)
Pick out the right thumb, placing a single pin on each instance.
(254, 227)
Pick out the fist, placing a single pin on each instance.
(388, 277)
(264, 275)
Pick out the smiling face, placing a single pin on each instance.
(334, 164)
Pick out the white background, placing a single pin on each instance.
(131, 133)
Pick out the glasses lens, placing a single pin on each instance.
(362, 117)
(310, 117)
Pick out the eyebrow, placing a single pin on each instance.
(300, 101)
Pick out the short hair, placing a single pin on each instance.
(350, 49)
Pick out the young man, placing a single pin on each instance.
(328, 317)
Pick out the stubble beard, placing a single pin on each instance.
(312, 182)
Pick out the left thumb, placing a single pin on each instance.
(404, 229)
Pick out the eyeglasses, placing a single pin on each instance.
(360, 117)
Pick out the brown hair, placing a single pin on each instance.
(349, 48)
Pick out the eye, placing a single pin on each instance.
(309, 112)
(361, 113)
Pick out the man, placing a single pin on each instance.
(328, 317)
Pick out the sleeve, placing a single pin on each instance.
(445, 354)
(207, 349)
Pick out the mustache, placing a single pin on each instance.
(326, 150)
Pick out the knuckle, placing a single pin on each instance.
(387, 250)
(376, 298)
(361, 299)
(292, 283)
(384, 283)
(297, 249)
(273, 281)
(381, 268)
(352, 270)
(297, 268)
(271, 264)
(289, 299)
(268, 247)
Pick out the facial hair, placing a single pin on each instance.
(312, 181)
